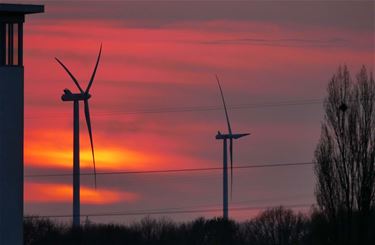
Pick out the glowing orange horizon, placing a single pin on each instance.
(107, 158)
(52, 149)
(49, 149)
(39, 193)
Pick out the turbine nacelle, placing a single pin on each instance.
(69, 96)
(221, 136)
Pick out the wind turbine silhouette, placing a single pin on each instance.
(76, 97)
(230, 136)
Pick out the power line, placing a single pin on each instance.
(272, 165)
(198, 108)
(194, 207)
(158, 212)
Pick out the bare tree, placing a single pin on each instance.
(275, 226)
(345, 155)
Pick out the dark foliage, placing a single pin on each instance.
(287, 226)
(321, 229)
(277, 226)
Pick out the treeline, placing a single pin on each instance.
(276, 226)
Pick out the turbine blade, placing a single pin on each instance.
(87, 115)
(225, 106)
(70, 74)
(231, 166)
(94, 72)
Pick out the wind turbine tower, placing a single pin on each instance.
(12, 17)
(84, 96)
(225, 137)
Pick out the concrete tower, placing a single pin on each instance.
(12, 17)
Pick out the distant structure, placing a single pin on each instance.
(75, 98)
(226, 137)
(12, 17)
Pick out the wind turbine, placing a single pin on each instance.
(230, 136)
(76, 97)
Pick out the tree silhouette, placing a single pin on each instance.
(345, 157)
(276, 226)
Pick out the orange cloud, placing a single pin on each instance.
(38, 193)
(53, 149)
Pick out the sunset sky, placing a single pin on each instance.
(156, 105)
